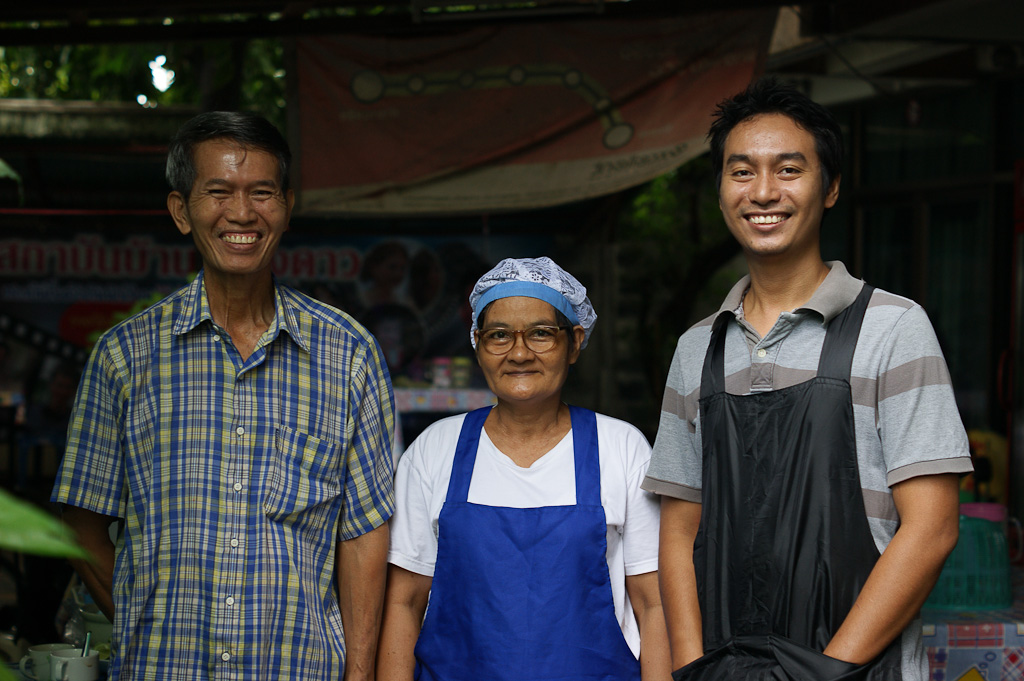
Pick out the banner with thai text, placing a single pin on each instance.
(60, 291)
(514, 116)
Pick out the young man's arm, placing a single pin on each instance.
(677, 579)
(362, 574)
(907, 570)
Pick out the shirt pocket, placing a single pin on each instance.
(304, 480)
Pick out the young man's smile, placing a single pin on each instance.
(771, 193)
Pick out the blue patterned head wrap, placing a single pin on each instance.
(537, 278)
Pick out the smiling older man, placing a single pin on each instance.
(239, 432)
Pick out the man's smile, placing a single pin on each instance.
(240, 238)
(766, 219)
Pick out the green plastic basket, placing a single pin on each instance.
(976, 576)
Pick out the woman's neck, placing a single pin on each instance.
(526, 433)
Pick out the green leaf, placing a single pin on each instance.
(7, 171)
(27, 529)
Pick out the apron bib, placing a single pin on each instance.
(784, 546)
(523, 594)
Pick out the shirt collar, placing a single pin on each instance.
(839, 290)
(833, 295)
(196, 310)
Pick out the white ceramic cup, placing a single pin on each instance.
(69, 665)
(36, 664)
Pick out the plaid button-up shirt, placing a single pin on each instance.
(234, 479)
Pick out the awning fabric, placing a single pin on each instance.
(512, 117)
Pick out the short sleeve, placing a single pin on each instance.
(675, 468)
(369, 497)
(421, 485)
(91, 474)
(413, 540)
(643, 508)
(919, 423)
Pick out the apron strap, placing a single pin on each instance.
(465, 455)
(836, 358)
(713, 377)
(584, 439)
(588, 463)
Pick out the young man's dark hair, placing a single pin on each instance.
(247, 129)
(769, 96)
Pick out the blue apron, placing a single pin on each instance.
(523, 594)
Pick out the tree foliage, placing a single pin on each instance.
(676, 248)
(225, 74)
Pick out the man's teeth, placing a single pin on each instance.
(766, 219)
(239, 239)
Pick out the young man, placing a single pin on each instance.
(809, 446)
(239, 431)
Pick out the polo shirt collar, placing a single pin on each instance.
(839, 290)
(833, 295)
(196, 310)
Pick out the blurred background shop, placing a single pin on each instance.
(434, 138)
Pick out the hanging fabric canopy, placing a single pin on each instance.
(515, 116)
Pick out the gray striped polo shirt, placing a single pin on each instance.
(905, 416)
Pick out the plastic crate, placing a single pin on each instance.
(976, 576)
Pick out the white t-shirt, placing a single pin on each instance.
(421, 485)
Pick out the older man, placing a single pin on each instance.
(239, 433)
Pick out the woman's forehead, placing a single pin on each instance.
(516, 308)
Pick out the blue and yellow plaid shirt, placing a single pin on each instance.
(234, 480)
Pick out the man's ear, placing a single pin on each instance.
(832, 193)
(178, 209)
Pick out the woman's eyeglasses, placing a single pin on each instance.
(538, 339)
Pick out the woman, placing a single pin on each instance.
(525, 523)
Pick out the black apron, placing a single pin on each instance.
(784, 545)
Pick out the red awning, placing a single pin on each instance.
(512, 117)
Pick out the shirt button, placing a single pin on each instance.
(234, 543)
(238, 486)
(762, 353)
(216, 338)
(229, 600)
(240, 430)
(225, 656)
